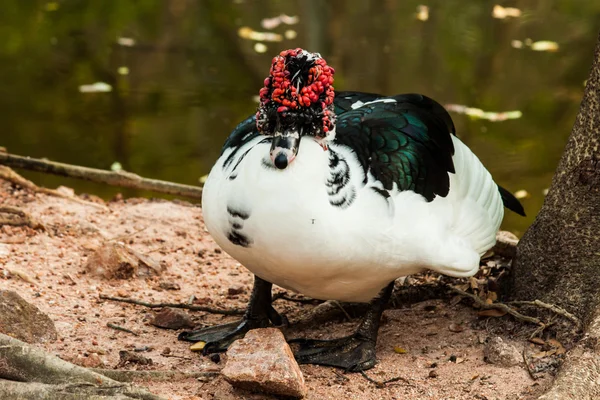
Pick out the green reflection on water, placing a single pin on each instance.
(192, 79)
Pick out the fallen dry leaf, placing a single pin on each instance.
(400, 350)
(539, 341)
(494, 312)
(456, 328)
(198, 346)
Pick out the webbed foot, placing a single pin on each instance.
(219, 337)
(352, 353)
(260, 314)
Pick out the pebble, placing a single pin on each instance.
(498, 352)
(263, 361)
(172, 318)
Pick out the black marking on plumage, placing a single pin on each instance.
(268, 164)
(405, 141)
(384, 193)
(238, 238)
(340, 193)
(236, 224)
(242, 134)
(236, 213)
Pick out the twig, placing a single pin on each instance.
(497, 306)
(381, 384)
(21, 275)
(211, 310)
(120, 328)
(337, 303)
(555, 309)
(18, 217)
(113, 178)
(529, 370)
(11, 176)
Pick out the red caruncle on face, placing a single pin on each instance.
(293, 92)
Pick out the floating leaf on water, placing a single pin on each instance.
(203, 179)
(256, 98)
(517, 44)
(248, 33)
(116, 166)
(477, 113)
(197, 346)
(422, 13)
(95, 88)
(492, 313)
(290, 34)
(503, 12)
(545, 191)
(400, 350)
(544, 45)
(260, 48)
(123, 71)
(125, 41)
(270, 23)
(522, 194)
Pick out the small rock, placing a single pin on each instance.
(233, 290)
(115, 260)
(128, 357)
(263, 361)
(497, 351)
(23, 320)
(169, 285)
(433, 373)
(91, 361)
(172, 318)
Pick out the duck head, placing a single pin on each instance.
(296, 101)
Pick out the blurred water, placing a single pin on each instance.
(182, 77)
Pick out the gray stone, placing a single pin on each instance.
(23, 320)
(263, 361)
(498, 352)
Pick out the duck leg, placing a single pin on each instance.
(352, 353)
(258, 315)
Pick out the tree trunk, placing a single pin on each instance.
(558, 258)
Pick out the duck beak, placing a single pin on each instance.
(285, 147)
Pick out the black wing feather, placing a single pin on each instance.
(405, 141)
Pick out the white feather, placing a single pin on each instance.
(301, 242)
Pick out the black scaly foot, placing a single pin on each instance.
(352, 353)
(259, 314)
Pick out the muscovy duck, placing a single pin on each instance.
(336, 194)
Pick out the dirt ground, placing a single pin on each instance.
(173, 234)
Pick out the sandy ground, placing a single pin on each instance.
(173, 234)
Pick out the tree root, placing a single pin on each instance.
(11, 390)
(579, 376)
(11, 176)
(113, 178)
(555, 309)
(123, 375)
(27, 373)
(16, 217)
